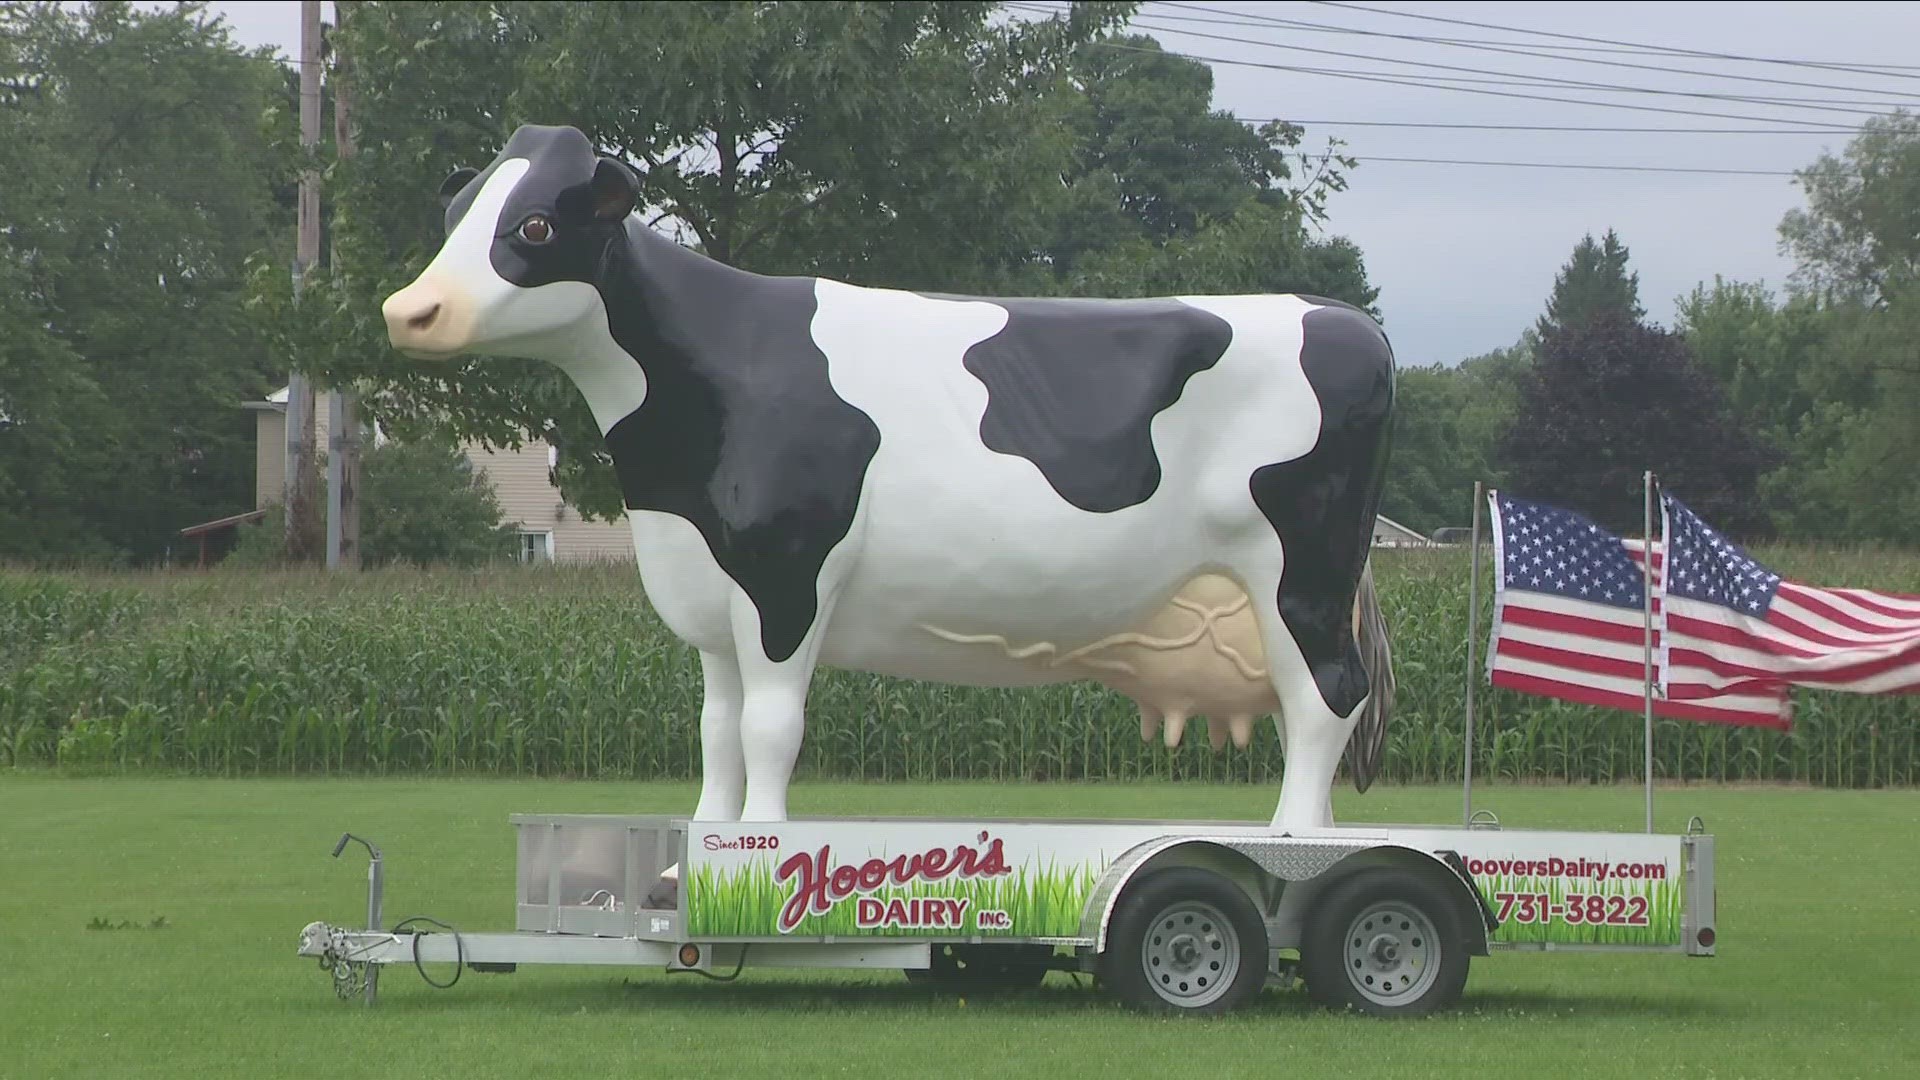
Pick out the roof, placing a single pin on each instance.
(1382, 519)
(215, 526)
(274, 402)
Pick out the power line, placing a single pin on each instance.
(1673, 49)
(1577, 165)
(1392, 81)
(1535, 80)
(1548, 127)
(1868, 68)
(1502, 47)
(1509, 78)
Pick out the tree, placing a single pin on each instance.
(1261, 248)
(1167, 194)
(1609, 398)
(1152, 159)
(1854, 469)
(1858, 237)
(1447, 428)
(1593, 281)
(1428, 464)
(421, 503)
(1856, 472)
(1760, 352)
(136, 178)
(49, 402)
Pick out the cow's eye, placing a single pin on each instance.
(536, 230)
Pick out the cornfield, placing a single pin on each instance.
(565, 672)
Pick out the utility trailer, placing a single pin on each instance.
(1172, 916)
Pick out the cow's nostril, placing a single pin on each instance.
(425, 319)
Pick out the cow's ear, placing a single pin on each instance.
(455, 181)
(615, 190)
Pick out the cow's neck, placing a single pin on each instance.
(660, 299)
(666, 300)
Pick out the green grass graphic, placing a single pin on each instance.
(1664, 909)
(1041, 902)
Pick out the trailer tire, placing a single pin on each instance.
(1185, 940)
(1386, 942)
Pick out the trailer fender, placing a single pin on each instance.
(1255, 863)
(1249, 861)
(1445, 867)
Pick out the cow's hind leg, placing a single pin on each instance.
(1322, 508)
(1326, 806)
(1305, 662)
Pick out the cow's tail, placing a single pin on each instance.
(1368, 743)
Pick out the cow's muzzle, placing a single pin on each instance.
(422, 321)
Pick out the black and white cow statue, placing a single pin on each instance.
(950, 488)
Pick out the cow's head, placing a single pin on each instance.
(525, 243)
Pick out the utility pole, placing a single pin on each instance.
(299, 500)
(343, 443)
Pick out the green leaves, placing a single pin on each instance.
(1610, 398)
(1859, 235)
(135, 181)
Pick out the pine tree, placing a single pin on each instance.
(1595, 280)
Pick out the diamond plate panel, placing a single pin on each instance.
(1293, 860)
(1290, 859)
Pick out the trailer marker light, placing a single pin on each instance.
(1705, 937)
(690, 954)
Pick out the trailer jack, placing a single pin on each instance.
(352, 976)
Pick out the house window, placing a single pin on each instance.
(536, 547)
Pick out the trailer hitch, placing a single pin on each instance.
(334, 948)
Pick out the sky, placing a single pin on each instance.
(1465, 255)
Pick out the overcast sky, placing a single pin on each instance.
(1464, 255)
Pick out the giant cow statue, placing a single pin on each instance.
(952, 488)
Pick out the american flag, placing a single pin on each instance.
(1569, 620)
(1732, 625)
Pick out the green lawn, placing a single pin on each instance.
(1816, 977)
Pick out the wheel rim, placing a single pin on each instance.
(1392, 953)
(1190, 954)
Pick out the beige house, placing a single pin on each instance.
(549, 529)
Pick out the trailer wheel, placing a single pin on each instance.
(1185, 940)
(1386, 942)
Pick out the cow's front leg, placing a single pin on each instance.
(723, 771)
(772, 710)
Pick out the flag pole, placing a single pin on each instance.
(1473, 636)
(1646, 574)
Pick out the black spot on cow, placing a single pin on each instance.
(740, 433)
(1323, 505)
(1073, 386)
